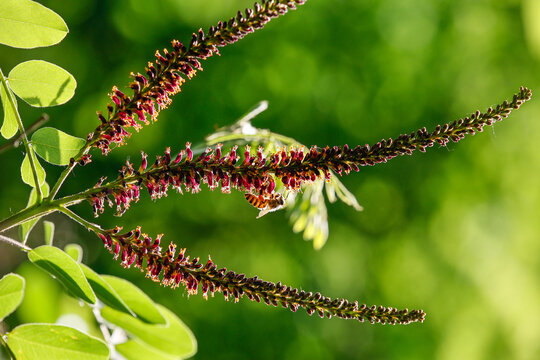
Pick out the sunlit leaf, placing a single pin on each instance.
(309, 214)
(54, 342)
(104, 291)
(28, 24)
(11, 294)
(42, 84)
(64, 269)
(27, 226)
(48, 230)
(42, 295)
(55, 146)
(175, 338)
(136, 300)
(9, 126)
(336, 187)
(75, 251)
(26, 171)
(136, 349)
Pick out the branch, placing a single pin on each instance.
(15, 142)
(14, 242)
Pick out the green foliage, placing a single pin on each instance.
(42, 84)
(9, 125)
(135, 349)
(11, 294)
(104, 291)
(75, 252)
(173, 338)
(28, 24)
(54, 342)
(42, 296)
(136, 300)
(55, 146)
(27, 172)
(64, 269)
(48, 231)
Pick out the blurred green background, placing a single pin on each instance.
(454, 231)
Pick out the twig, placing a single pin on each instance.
(14, 242)
(15, 142)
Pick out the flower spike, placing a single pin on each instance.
(169, 269)
(293, 167)
(165, 76)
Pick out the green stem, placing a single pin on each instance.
(96, 310)
(87, 224)
(67, 171)
(32, 212)
(30, 152)
(48, 207)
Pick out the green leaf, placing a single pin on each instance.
(26, 171)
(11, 294)
(41, 83)
(27, 24)
(48, 230)
(27, 227)
(61, 266)
(42, 296)
(104, 291)
(54, 342)
(9, 126)
(55, 146)
(175, 338)
(310, 215)
(74, 251)
(135, 349)
(136, 300)
(336, 186)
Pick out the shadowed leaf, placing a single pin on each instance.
(64, 269)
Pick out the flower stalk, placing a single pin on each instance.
(171, 269)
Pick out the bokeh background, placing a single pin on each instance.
(454, 231)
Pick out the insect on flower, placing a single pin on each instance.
(266, 204)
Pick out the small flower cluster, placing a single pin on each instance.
(171, 269)
(164, 77)
(293, 167)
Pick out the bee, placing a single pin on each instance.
(266, 205)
